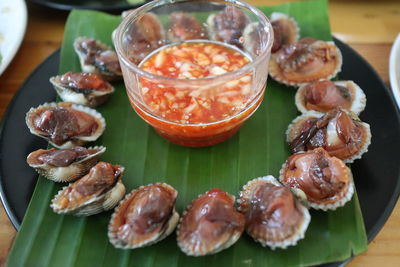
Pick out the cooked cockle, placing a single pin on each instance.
(82, 88)
(228, 25)
(64, 165)
(326, 95)
(144, 36)
(210, 224)
(340, 133)
(185, 27)
(274, 217)
(97, 191)
(96, 57)
(65, 124)
(286, 30)
(322, 181)
(146, 216)
(306, 61)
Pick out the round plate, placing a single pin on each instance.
(103, 5)
(13, 17)
(377, 174)
(394, 69)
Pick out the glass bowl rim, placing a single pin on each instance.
(229, 75)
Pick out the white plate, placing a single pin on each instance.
(13, 17)
(394, 69)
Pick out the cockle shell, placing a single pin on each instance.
(34, 113)
(126, 235)
(68, 173)
(185, 27)
(143, 37)
(214, 215)
(87, 97)
(275, 236)
(339, 176)
(332, 138)
(289, 31)
(306, 61)
(358, 98)
(228, 25)
(105, 199)
(109, 69)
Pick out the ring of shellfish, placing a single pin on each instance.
(319, 180)
(64, 165)
(306, 61)
(145, 216)
(274, 217)
(325, 95)
(339, 132)
(97, 191)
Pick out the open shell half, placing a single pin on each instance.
(286, 30)
(340, 133)
(210, 224)
(97, 191)
(228, 25)
(274, 217)
(146, 215)
(64, 165)
(321, 181)
(185, 27)
(99, 58)
(65, 124)
(325, 95)
(92, 92)
(306, 61)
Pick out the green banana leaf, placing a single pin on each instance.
(48, 239)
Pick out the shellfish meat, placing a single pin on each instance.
(326, 95)
(340, 133)
(286, 30)
(322, 181)
(96, 57)
(146, 216)
(65, 124)
(210, 224)
(97, 191)
(306, 61)
(64, 165)
(82, 88)
(274, 217)
(185, 27)
(228, 25)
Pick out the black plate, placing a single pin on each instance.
(377, 174)
(103, 5)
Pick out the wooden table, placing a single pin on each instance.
(369, 27)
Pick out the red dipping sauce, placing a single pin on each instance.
(203, 114)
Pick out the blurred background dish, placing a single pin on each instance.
(394, 69)
(13, 17)
(104, 5)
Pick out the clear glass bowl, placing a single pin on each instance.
(159, 24)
